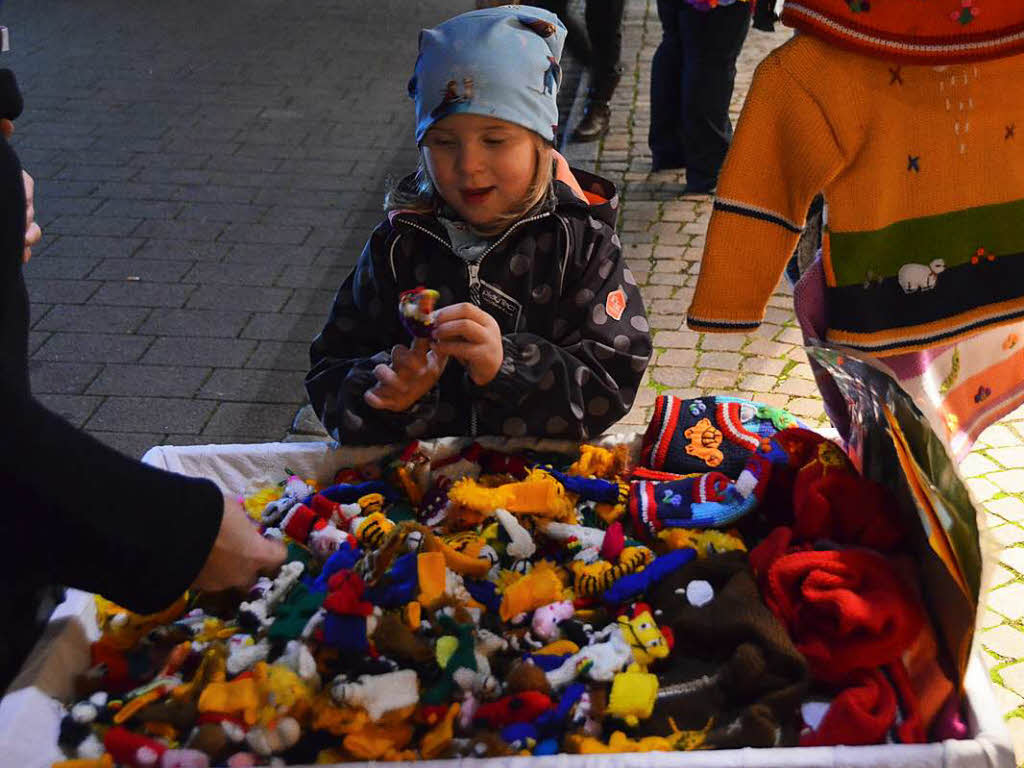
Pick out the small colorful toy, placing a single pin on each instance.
(416, 309)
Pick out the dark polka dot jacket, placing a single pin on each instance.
(574, 330)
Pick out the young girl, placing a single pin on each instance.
(541, 329)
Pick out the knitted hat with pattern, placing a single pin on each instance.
(497, 62)
(707, 433)
(914, 32)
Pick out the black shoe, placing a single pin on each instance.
(594, 124)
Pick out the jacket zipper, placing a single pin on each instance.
(473, 277)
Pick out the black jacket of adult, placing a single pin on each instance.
(574, 332)
(75, 512)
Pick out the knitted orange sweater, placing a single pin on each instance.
(922, 168)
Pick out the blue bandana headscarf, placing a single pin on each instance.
(498, 62)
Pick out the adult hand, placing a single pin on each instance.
(471, 336)
(33, 234)
(240, 554)
(413, 372)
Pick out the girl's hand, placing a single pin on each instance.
(413, 372)
(471, 336)
(240, 554)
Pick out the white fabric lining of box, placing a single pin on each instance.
(30, 713)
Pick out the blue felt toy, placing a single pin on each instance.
(398, 586)
(635, 584)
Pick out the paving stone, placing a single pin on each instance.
(136, 269)
(60, 377)
(1007, 534)
(1014, 557)
(143, 294)
(275, 255)
(75, 408)
(1008, 507)
(92, 347)
(1000, 436)
(980, 488)
(132, 444)
(239, 297)
(58, 267)
(180, 229)
(256, 420)
(798, 388)
(1013, 679)
(43, 291)
(1008, 601)
(1009, 457)
(208, 351)
(681, 358)
(806, 407)
(1009, 481)
(149, 380)
(255, 386)
(280, 355)
(711, 381)
(182, 250)
(976, 464)
(722, 342)
(151, 414)
(284, 327)
(726, 361)
(195, 322)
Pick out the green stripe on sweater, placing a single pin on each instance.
(953, 237)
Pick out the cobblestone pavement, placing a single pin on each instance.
(207, 173)
(663, 236)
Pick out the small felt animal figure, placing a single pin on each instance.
(416, 310)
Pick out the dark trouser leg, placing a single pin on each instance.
(604, 27)
(576, 41)
(712, 41)
(665, 137)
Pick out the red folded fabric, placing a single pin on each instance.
(846, 610)
(860, 714)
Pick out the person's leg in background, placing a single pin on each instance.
(576, 41)
(604, 27)
(714, 39)
(665, 137)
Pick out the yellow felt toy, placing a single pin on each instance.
(633, 695)
(239, 697)
(595, 461)
(328, 716)
(705, 542)
(105, 761)
(122, 629)
(430, 569)
(379, 742)
(539, 587)
(436, 742)
(539, 494)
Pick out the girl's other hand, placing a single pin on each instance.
(413, 372)
(471, 336)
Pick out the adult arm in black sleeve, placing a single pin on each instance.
(586, 377)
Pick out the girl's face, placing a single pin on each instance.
(482, 166)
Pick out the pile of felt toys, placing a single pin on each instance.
(733, 583)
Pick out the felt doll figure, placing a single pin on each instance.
(906, 116)
(541, 328)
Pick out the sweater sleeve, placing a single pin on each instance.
(94, 519)
(76, 512)
(584, 378)
(784, 152)
(361, 330)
